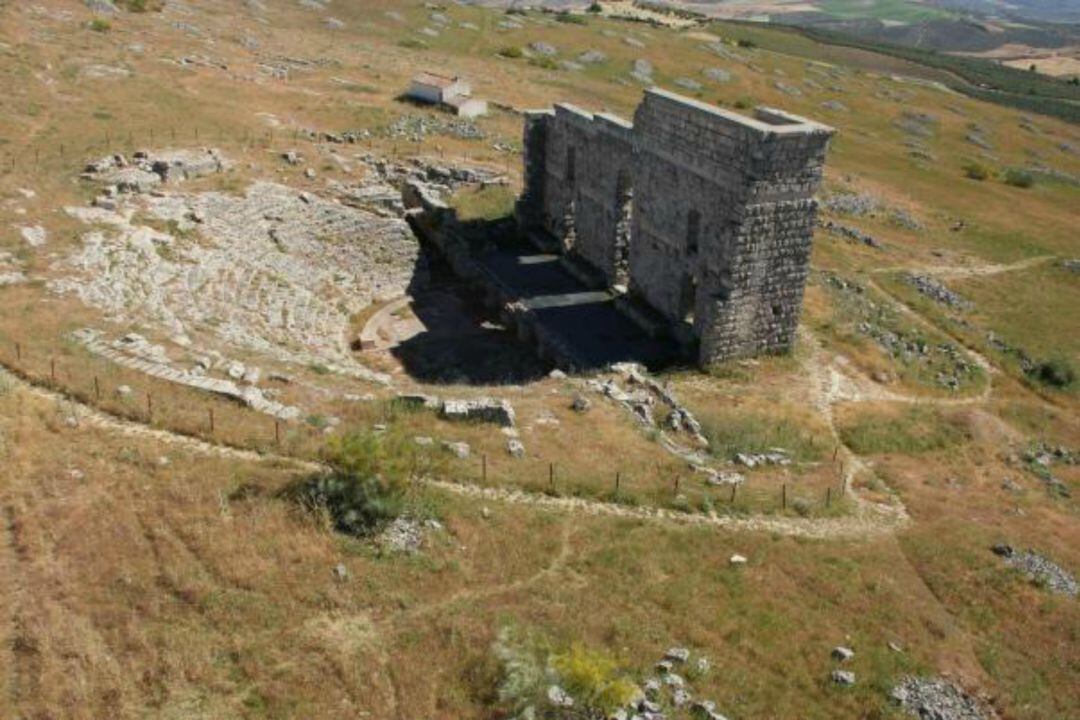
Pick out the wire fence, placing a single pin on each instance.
(157, 403)
(672, 486)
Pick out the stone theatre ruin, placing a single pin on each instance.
(684, 235)
(699, 219)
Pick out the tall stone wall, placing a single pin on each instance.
(705, 214)
(578, 167)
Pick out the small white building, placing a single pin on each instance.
(437, 89)
(467, 107)
(453, 93)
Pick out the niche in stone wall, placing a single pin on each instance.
(687, 297)
(693, 232)
(569, 220)
(624, 211)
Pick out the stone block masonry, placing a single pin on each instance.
(701, 216)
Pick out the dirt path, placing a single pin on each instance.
(93, 417)
(869, 520)
(953, 271)
(557, 563)
(907, 310)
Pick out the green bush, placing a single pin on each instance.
(1056, 372)
(595, 8)
(544, 62)
(510, 51)
(528, 666)
(365, 486)
(100, 25)
(976, 170)
(1018, 177)
(564, 16)
(593, 678)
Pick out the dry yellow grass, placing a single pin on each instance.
(136, 588)
(140, 587)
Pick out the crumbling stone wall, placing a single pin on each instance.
(705, 214)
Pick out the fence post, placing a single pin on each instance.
(617, 479)
(277, 433)
(52, 369)
(483, 465)
(149, 405)
(551, 475)
(97, 388)
(18, 352)
(733, 489)
(676, 485)
(783, 496)
(828, 496)
(210, 412)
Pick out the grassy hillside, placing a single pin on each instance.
(158, 565)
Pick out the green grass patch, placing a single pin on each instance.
(737, 430)
(975, 170)
(916, 429)
(1018, 177)
(484, 203)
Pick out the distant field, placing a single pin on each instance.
(889, 10)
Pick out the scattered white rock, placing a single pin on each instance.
(515, 447)
(844, 678)
(842, 654)
(33, 235)
(677, 654)
(559, 697)
(482, 409)
(459, 450)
